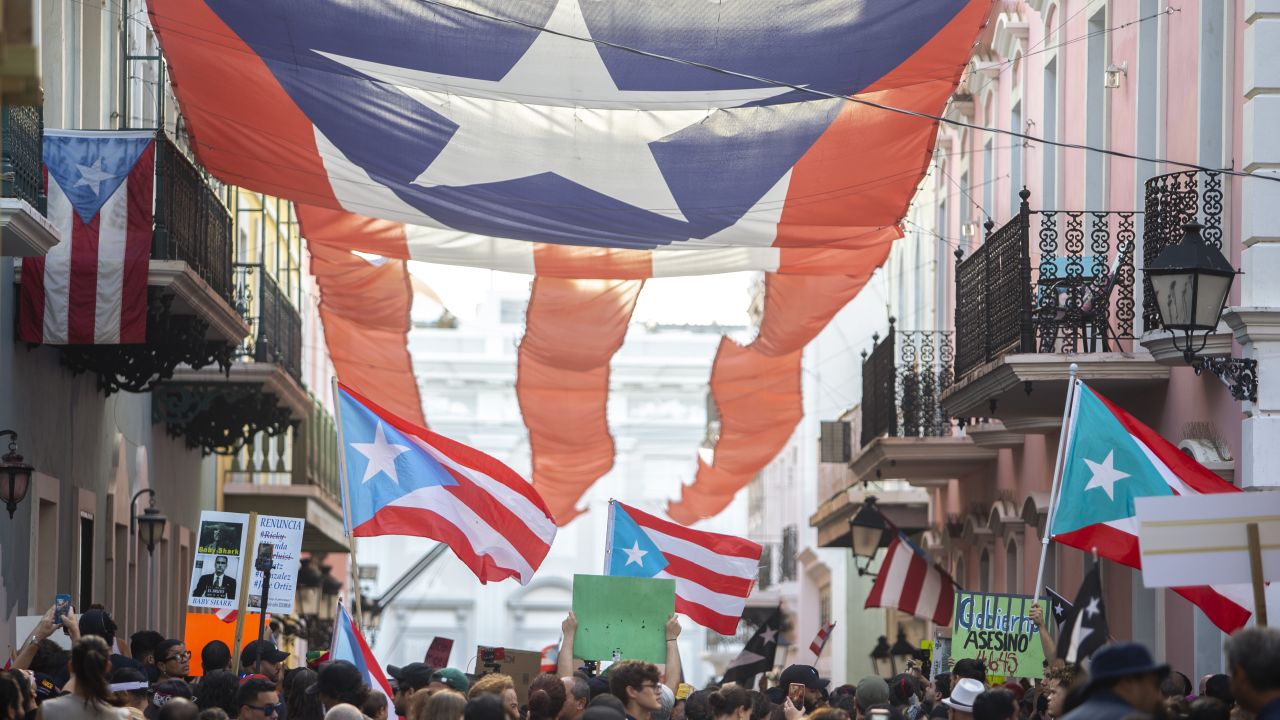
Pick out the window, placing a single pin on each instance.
(988, 179)
(824, 605)
(1095, 112)
(1049, 153)
(85, 594)
(959, 577)
(511, 312)
(790, 547)
(1015, 159)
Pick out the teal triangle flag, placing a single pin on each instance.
(1105, 468)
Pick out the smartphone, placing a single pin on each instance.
(61, 606)
(796, 694)
(878, 714)
(266, 557)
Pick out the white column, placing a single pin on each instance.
(1257, 322)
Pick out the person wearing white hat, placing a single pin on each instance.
(960, 702)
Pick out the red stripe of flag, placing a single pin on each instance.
(31, 319)
(137, 253)
(917, 569)
(706, 617)
(531, 547)
(82, 303)
(709, 579)
(395, 520)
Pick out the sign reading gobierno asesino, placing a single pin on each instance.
(997, 629)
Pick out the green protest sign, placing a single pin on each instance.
(997, 630)
(622, 618)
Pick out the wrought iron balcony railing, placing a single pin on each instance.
(275, 328)
(22, 136)
(903, 378)
(305, 455)
(1173, 200)
(1075, 294)
(191, 223)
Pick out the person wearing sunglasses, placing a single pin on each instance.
(172, 660)
(257, 700)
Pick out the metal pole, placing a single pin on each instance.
(1056, 480)
(262, 615)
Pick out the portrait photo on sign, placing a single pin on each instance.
(218, 560)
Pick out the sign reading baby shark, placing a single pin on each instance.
(997, 629)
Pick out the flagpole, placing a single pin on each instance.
(1056, 481)
(346, 501)
(608, 534)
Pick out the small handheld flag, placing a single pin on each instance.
(1059, 606)
(348, 644)
(403, 479)
(1084, 629)
(820, 641)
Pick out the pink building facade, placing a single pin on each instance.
(1007, 308)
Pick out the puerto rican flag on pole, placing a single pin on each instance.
(912, 582)
(91, 288)
(714, 573)
(1110, 459)
(348, 644)
(820, 641)
(403, 479)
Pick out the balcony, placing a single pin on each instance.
(261, 391)
(1171, 201)
(1024, 315)
(24, 230)
(906, 441)
(190, 317)
(294, 474)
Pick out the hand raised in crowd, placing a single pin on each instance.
(570, 625)
(71, 624)
(44, 628)
(791, 712)
(1037, 615)
(673, 627)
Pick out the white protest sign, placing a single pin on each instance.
(219, 560)
(1202, 540)
(284, 535)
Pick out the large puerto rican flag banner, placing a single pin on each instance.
(91, 288)
(403, 479)
(714, 573)
(349, 644)
(1111, 458)
(691, 127)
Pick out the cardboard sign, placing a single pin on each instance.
(204, 628)
(522, 665)
(939, 653)
(284, 536)
(622, 618)
(1202, 540)
(438, 654)
(997, 630)
(219, 559)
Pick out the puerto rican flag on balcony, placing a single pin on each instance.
(91, 289)
(683, 128)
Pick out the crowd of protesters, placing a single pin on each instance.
(95, 680)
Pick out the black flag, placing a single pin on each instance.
(1058, 606)
(1085, 627)
(758, 654)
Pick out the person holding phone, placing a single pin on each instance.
(807, 677)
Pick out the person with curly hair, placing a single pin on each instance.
(635, 684)
(501, 686)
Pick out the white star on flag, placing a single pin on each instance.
(381, 455)
(1105, 475)
(1092, 608)
(571, 120)
(635, 555)
(93, 176)
(770, 635)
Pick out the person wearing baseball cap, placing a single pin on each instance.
(963, 694)
(449, 679)
(408, 680)
(806, 675)
(271, 657)
(872, 691)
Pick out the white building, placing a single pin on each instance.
(657, 414)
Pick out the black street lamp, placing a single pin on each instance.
(902, 651)
(868, 532)
(308, 589)
(17, 475)
(148, 524)
(1192, 281)
(330, 587)
(882, 657)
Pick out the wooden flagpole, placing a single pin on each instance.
(346, 503)
(1255, 567)
(1056, 481)
(246, 570)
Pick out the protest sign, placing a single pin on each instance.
(438, 654)
(218, 560)
(203, 628)
(1202, 539)
(522, 665)
(997, 629)
(939, 653)
(284, 535)
(622, 618)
